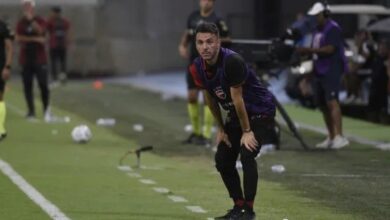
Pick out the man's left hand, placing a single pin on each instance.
(249, 141)
(5, 74)
(304, 50)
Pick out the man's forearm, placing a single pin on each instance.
(8, 52)
(239, 105)
(242, 115)
(24, 39)
(215, 109)
(327, 50)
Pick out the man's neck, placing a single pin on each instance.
(213, 61)
(324, 23)
(204, 13)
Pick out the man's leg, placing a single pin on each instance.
(194, 111)
(53, 63)
(326, 113)
(62, 59)
(28, 83)
(3, 110)
(332, 87)
(334, 116)
(261, 128)
(208, 122)
(42, 78)
(320, 100)
(62, 56)
(225, 160)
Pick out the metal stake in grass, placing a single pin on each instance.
(137, 152)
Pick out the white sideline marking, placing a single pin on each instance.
(177, 199)
(53, 211)
(161, 190)
(341, 175)
(125, 168)
(134, 175)
(210, 218)
(147, 181)
(196, 209)
(331, 175)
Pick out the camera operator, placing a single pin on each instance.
(329, 65)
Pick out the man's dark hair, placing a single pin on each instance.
(207, 28)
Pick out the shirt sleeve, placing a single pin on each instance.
(334, 38)
(195, 76)
(235, 70)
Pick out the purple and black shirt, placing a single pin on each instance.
(230, 71)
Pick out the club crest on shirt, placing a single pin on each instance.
(220, 93)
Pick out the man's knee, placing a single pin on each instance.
(247, 156)
(224, 165)
(193, 96)
(332, 104)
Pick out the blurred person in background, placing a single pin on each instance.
(380, 81)
(58, 29)
(329, 65)
(6, 52)
(361, 61)
(187, 50)
(30, 33)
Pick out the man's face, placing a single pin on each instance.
(28, 7)
(206, 5)
(208, 45)
(320, 19)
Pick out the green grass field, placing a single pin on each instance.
(84, 182)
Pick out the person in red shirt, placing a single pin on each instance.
(30, 34)
(58, 29)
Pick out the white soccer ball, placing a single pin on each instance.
(81, 134)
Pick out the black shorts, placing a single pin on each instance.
(2, 82)
(326, 88)
(190, 81)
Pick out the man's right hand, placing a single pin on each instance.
(223, 137)
(5, 74)
(183, 51)
(40, 40)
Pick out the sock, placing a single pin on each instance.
(239, 202)
(249, 204)
(208, 122)
(193, 112)
(3, 113)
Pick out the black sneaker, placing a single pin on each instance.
(191, 139)
(3, 136)
(202, 141)
(30, 116)
(233, 214)
(248, 215)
